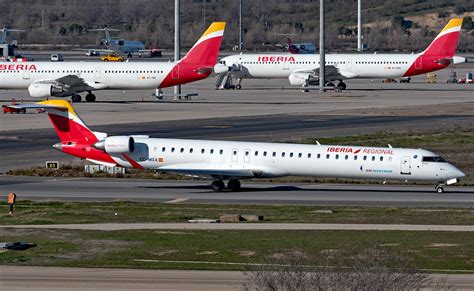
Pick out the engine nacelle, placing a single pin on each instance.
(41, 90)
(116, 144)
(299, 79)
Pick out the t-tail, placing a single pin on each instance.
(75, 136)
(199, 62)
(440, 53)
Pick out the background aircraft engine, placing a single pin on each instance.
(299, 79)
(41, 90)
(116, 144)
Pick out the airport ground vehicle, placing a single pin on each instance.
(303, 69)
(46, 79)
(10, 109)
(235, 160)
(57, 58)
(112, 58)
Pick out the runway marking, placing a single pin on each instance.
(177, 200)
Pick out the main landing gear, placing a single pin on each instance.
(341, 85)
(233, 185)
(90, 97)
(76, 98)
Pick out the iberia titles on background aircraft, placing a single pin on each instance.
(234, 160)
(45, 79)
(303, 70)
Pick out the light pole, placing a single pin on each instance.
(241, 40)
(322, 59)
(359, 26)
(177, 43)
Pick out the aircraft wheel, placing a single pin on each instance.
(90, 97)
(76, 98)
(238, 86)
(217, 186)
(342, 86)
(440, 189)
(234, 185)
(329, 84)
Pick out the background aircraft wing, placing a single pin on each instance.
(332, 73)
(72, 83)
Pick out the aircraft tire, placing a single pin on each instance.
(90, 98)
(439, 189)
(217, 186)
(342, 86)
(238, 86)
(76, 98)
(234, 185)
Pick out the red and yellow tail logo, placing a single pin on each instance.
(445, 43)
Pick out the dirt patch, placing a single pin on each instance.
(247, 253)
(390, 245)
(164, 253)
(207, 253)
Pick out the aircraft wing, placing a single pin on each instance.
(331, 72)
(72, 83)
(215, 171)
(96, 50)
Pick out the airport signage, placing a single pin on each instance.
(52, 165)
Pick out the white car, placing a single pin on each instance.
(57, 58)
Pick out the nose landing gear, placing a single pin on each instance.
(440, 188)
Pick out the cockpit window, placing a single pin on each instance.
(434, 160)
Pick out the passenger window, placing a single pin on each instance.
(300, 155)
(274, 154)
(327, 156)
(355, 158)
(172, 150)
(347, 157)
(291, 155)
(247, 153)
(256, 153)
(234, 153)
(283, 154)
(381, 159)
(212, 151)
(365, 158)
(163, 149)
(318, 156)
(337, 157)
(191, 151)
(182, 150)
(309, 156)
(264, 154)
(203, 151)
(221, 152)
(373, 158)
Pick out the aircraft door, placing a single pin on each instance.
(175, 72)
(247, 156)
(235, 155)
(97, 73)
(349, 63)
(405, 167)
(26, 74)
(419, 63)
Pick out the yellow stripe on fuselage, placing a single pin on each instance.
(59, 103)
(453, 23)
(215, 26)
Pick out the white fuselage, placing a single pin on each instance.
(98, 75)
(278, 159)
(350, 65)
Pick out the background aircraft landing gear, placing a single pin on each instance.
(217, 185)
(238, 86)
(90, 97)
(440, 188)
(76, 98)
(234, 185)
(329, 84)
(341, 85)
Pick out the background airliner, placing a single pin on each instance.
(123, 46)
(234, 160)
(46, 79)
(303, 70)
